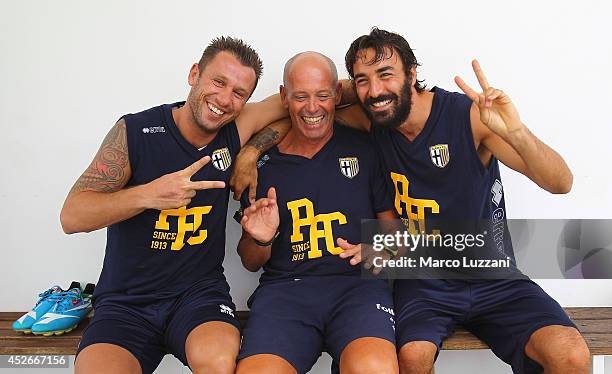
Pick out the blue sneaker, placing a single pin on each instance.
(65, 315)
(46, 300)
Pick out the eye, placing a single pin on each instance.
(300, 98)
(218, 82)
(361, 82)
(238, 95)
(385, 75)
(323, 97)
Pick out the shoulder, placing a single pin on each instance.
(152, 117)
(452, 100)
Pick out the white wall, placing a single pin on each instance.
(69, 69)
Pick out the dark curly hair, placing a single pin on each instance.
(384, 43)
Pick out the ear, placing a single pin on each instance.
(283, 95)
(194, 75)
(413, 77)
(338, 93)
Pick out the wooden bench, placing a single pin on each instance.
(594, 323)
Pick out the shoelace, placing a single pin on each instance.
(49, 295)
(66, 300)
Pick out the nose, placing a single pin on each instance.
(376, 88)
(312, 107)
(224, 97)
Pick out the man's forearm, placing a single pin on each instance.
(349, 96)
(545, 166)
(253, 257)
(87, 211)
(268, 137)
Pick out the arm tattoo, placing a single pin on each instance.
(265, 139)
(109, 171)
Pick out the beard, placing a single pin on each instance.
(395, 116)
(198, 106)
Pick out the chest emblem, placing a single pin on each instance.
(440, 156)
(221, 159)
(349, 166)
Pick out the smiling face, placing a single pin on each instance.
(384, 90)
(310, 94)
(219, 92)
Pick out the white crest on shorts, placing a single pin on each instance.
(440, 156)
(221, 159)
(349, 166)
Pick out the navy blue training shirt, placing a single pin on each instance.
(439, 176)
(158, 254)
(320, 200)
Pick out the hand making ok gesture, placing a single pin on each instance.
(497, 111)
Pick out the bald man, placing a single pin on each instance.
(314, 189)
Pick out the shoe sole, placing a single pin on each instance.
(51, 333)
(28, 331)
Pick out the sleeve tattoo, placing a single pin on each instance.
(109, 171)
(264, 139)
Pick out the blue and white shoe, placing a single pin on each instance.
(65, 315)
(45, 302)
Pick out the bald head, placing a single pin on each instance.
(309, 60)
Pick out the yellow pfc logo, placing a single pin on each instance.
(312, 220)
(198, 236)
(404, 205)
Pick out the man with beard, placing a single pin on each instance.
(315, 187)
(162, 288)
(440, 152)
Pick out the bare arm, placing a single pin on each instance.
(497, 125)
(526, 154)
(253, 257)
(348, 93)
(244, 174)
(98, 198)
(256, 116)
(353, 116)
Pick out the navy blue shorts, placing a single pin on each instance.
(502, 313)
(151, 330)
(299, 319)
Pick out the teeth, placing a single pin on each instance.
(381, 103)
(215, 109)
(312, 120)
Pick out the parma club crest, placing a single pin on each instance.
(349, 166)
(439, 155)
(221, 159)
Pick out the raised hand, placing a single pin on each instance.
(261, 219)
(176, 189)
(497, 111)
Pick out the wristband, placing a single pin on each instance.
(265, 244)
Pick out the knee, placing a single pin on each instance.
(371, 364)
(417, 357)
(94, 359)
(577, 359)
(223, 363)
(564, 351)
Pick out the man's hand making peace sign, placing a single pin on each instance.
(497, 128)
(497, 111)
